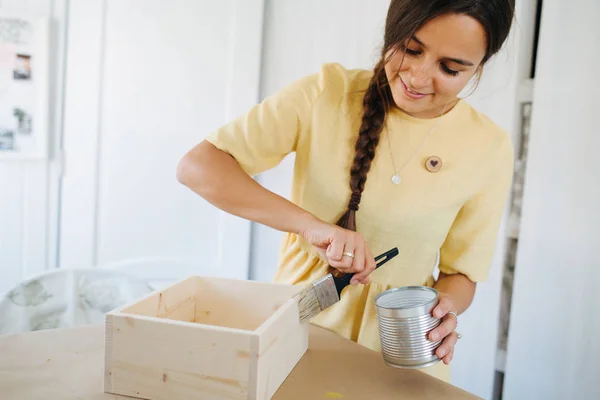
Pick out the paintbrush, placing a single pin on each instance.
(326, 291)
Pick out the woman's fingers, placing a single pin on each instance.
(368, 267)
(344, 250)
(449, 356)
(445, 351)
(443, 307)
(358, 266)
(370, 264)
(335, 250)
(447, 327)
(343, 243)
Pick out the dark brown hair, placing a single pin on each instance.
(404, 18)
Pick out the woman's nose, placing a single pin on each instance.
(420, 76)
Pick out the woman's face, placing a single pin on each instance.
(430, 70)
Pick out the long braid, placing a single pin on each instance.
(375, 107)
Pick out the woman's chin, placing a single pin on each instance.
(416, 108)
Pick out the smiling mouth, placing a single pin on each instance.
(413, 94)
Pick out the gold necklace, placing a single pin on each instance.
(396, 180)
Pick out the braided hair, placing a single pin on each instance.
(404, 18)
(375, 104)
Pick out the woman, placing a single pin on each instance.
(429, 173)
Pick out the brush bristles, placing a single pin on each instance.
(308, 303)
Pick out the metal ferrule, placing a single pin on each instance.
(326, 291)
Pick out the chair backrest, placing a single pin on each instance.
(158, 272)
(67, 297)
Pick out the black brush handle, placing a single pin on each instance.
(342, 282)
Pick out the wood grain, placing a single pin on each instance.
(67, 364)
(204, 337)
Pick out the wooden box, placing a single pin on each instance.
(205, 338)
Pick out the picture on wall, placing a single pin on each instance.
(24, 86)
(23, 68)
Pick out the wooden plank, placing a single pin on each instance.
(239, 303)
(162, 360)
(283, 340)
(174, 302)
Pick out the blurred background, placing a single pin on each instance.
(100, 99)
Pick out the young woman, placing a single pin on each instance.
(429, 173)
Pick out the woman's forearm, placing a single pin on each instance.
(459, 288)
(219, 179)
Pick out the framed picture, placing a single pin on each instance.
(24, 86)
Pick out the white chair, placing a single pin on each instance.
(159, 272)
(67, 297)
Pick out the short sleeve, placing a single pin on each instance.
(260, 138)
(470, 245)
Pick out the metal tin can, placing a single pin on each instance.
(405, 319)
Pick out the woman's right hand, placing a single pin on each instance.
(332, 241)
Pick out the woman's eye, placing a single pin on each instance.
(412, 52)
(448, 70)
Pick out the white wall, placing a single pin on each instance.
(29, 191)
(149, 80)
(350, 32)
(553, 346)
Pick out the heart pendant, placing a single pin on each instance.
(433, 164)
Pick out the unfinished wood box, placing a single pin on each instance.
(205, 338)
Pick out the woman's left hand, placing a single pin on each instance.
(446, 329)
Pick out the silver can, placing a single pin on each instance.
(405, 319)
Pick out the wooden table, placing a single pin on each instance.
(67, 364)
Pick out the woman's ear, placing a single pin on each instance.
(473, 83)
(479, 71)
(478, 74)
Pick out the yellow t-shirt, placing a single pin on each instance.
(456, 210)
